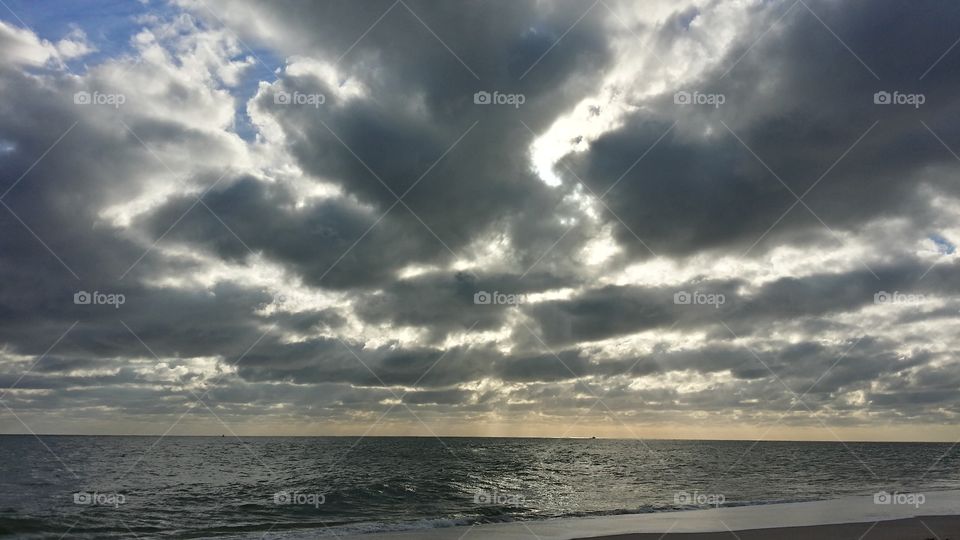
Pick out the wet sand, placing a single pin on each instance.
(919, 528)
(855, 518)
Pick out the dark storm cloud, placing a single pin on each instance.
(439, 397)
(318, 241)
(172, 323)
(622, 310)
(310, 321)
(485, 180)
(798, 99)
(443, 303)
(63, 245)
(402, 140)
(561, 366)
(422, 103)
(497, 47)
(333, 360)
(58, 200)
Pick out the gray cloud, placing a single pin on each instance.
(798, 100)
(278, 268)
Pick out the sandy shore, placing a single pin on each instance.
(856, 518)
(919, 528)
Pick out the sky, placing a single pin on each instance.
(660, 219)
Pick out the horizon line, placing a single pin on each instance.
(234, 436)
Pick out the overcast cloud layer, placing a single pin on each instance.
(530, 218)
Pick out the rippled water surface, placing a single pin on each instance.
(102, 487)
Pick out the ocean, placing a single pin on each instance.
(222, 487)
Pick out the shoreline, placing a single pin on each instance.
(920, 528)
(832, 518)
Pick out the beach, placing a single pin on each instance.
(847, 517)
(926, 527)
